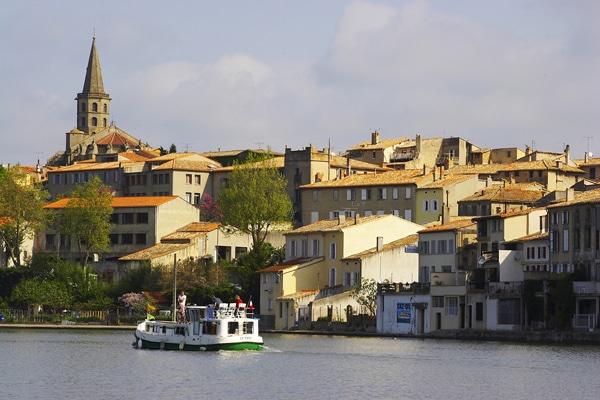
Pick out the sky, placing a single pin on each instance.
(239, 74)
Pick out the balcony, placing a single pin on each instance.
(407, 288)
(586, 287)
(505, 289)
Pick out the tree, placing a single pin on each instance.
(365, 293)
(86, 218)
(37, 291)
(22, 212)
(255, 198)
(210, 209)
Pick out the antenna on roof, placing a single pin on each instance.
(187, 146)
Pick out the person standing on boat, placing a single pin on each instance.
(238, 302)
(181, 300)
(216, 302)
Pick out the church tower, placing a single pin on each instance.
(93, 104)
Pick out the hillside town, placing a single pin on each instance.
(455, 235)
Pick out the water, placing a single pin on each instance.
(82, 364)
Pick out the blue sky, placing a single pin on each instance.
(210, 75)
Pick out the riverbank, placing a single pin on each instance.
(70, 326)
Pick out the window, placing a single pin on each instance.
(315, 195)
(127, 218)
(114, 238)
(142, 218)
(350, 194)
(303, 248)
(395, 193)
(509, 312)
(442, 247)
(292, 249)
(188, 179)
(565, 240)
(196, 198)
(565, 217)
(437, 301)
(425, 205)
(336, 195)
(374, 155)
(365, 194)
(94, 121)
(408, 193)
(350, 278)
(197, 179)
(82, 106)
(451, 246)
(140, 238)
(332, 277)
(188, 197)
(105, 108)
(127, 238)
(452, 306)
(382, 193)
(554, 240)
(332, 251)
(434, 206)
(554, 218)
(433, 247)
(95, 107)
(479, 311)
(315, 247)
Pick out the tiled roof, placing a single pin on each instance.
(401, 177)
(233, 153)
(290, 264)
(448, 180)
(490, 169)
(179, 164)
(532, 237)
(158, 250)
(334, 225)
(589, 163)
(342, 162)
(134, 201)
(381, 144)
(408, 240)
(457, 224)
(298, 295)
(589, 196)
(506, 195)
(97, 166)
(510, 213)
(540, 165)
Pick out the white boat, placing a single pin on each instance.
(227, 328)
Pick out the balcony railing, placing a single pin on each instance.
(409, 288)
(505, 288)
(586, 287)
(585, 321)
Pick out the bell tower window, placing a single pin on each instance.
(94, 121)
(94, 107)
(82, 121)
(82, 106)
(104, 122)
(105, 108)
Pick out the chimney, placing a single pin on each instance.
(570, 194)
(418, 144)
(567, 155)
(341, 219)
(586, 157)
(379, 245)
(356, 218)
(375, 137)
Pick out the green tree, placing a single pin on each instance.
(86, 218)
(365, 293)
(22, 212)
(53, 294)
(254, 199)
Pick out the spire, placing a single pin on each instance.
(93, 76)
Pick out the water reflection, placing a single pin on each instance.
(102, 364)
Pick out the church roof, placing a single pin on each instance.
(93, 77)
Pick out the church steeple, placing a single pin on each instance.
(93, 104)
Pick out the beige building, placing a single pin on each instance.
(376, 151)
(323, 262)
(139, 222)
(502, 198)
(390, 192)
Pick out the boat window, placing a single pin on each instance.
(248, 327)
(232, 328)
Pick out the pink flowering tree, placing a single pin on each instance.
(210, 208)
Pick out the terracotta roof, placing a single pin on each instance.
(233, 153)
(401, 177)
(532, 237)
(590, 162)
(158, 250)
(187, 165)
(589, 196)
(381, 144)
(490, 169)
(540, 165)
(408, 240)
(298, 295)
(510, 213)
(334, 225)
(342, 162)
(200, 227)
(133, 201)
(448, 180)
(457, 224)
(506, 195)
(290, 264)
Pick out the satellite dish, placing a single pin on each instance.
(591, 154)
(481, 260)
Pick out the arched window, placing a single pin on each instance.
(82, 121)
(82, 106)
(105, 108)
(94, 107)
(104, 122)
(94, 121)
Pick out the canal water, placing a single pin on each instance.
(97, 364)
